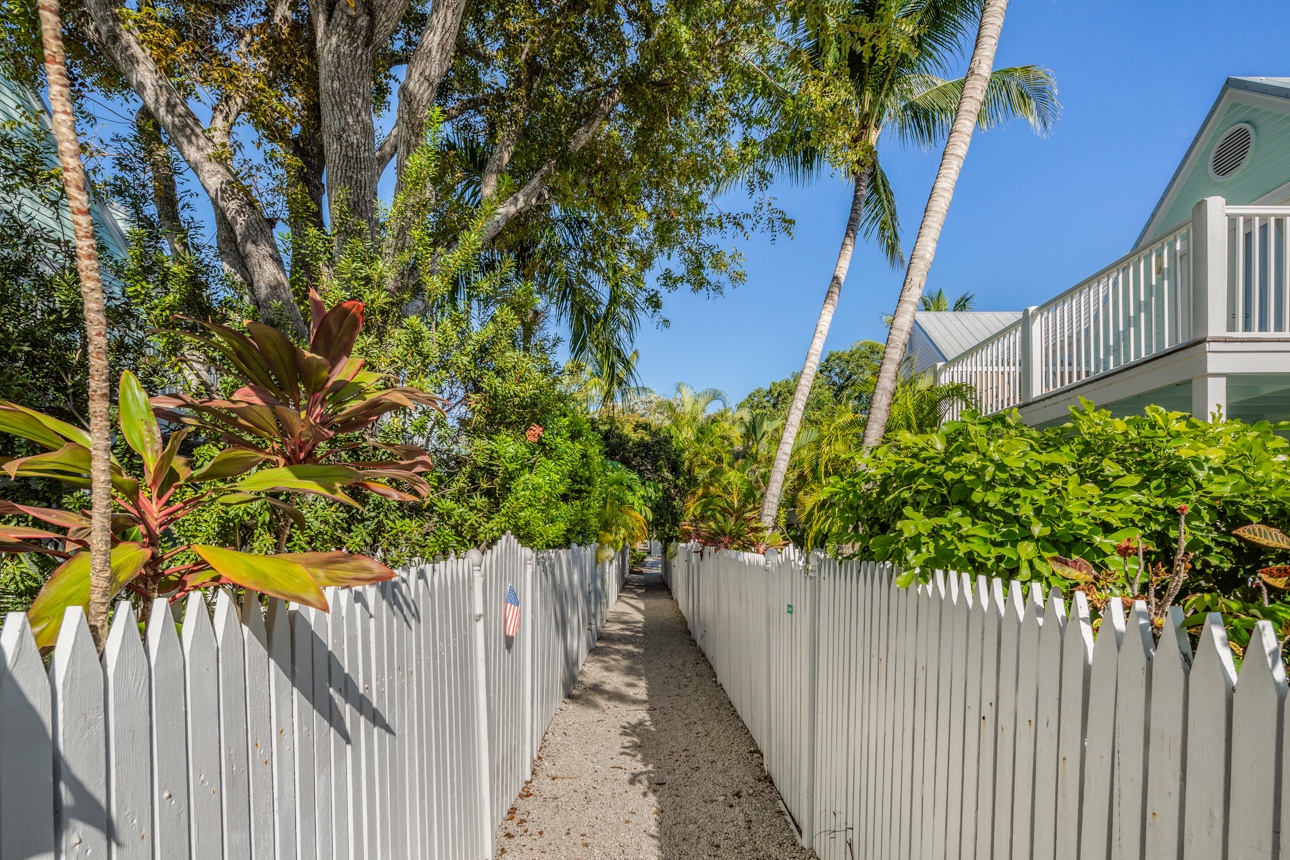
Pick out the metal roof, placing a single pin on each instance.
(1276, 87)
(955, 332)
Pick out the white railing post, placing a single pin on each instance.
(1031, 358)
(1209, 288)
(476, 559)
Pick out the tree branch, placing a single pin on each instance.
(253, 235)
(501, 156)
(533, 193)
(426, 70)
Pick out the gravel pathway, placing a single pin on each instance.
(648, 759)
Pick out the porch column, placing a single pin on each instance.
(1209, 304)
(1030, 372)
(1208, 395)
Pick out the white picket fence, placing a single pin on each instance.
(402, 724)
(973, 720)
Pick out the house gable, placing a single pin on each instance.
(1264, 177)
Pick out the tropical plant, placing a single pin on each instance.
(938, 302)
(873, 68)
(921, 403)
(974, 102)
(995, 496)
(624, 519)
(723, 515)
(145, 558)
(304, 407)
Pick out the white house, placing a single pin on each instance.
(1196, 317)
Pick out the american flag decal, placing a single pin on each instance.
(512, 611)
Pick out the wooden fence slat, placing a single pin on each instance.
(1253, 814)
(340, 720)
(957, 729)
(170, 784)
(1023, 779)
(26, 745)
(365, 731)
(1209, 712)
(235, 745)
(1166, 743)
(1077, 658)
(1129, 772)
(283, 728)
(909, 678)
(201, 692)
(989, 735)
(1006, 721)
(966, 846)
(945, 677)
(1047, 720)
(260, 733)
(931, 737)
(129, 738)
(310, 633)
(862, 745)
(1099, 757)
(80, 762)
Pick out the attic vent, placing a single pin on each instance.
(1231, 151)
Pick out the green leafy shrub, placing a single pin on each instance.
(995, 496)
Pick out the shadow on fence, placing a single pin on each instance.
(971, 718)
(400, 725)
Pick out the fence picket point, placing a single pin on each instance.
(1209, 713)
(201, 703)
(1253, 814)
(80, 763)
(129, 738)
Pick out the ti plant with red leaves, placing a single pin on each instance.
(280, 430)
(145, 559)
(294, 403)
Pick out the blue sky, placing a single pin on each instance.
(1030, 216)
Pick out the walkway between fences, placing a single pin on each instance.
(402, 724)
(973, 720)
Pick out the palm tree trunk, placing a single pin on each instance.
(938, 206)
(87, 265)
(793, 423)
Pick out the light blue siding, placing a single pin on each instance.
(1267, 168)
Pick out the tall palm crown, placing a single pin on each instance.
(938, 301)
(863, 67)
(856, 69)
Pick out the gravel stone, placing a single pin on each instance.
(647, 759)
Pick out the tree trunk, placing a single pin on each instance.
(346, 65)
(165, 196)
(305, 199)
(87, 266)
(252, 234)
(779, 471)
(938, 206)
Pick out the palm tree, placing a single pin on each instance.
(887, 79)
(974, 99)
(87, 266)
(938, 302)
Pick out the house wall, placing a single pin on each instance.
(21, 113)
(1267, 169)
(921, 354)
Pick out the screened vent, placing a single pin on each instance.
(1231, 151)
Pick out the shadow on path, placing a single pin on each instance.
(648, 759)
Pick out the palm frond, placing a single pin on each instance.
(926, 113)
(880, 220)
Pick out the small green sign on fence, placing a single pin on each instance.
(790, 609)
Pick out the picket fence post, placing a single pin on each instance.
(476, 560)
(526, 625)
